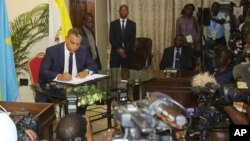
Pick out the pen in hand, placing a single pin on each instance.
(65, 76)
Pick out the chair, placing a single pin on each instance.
(34, 68)
(142, 53)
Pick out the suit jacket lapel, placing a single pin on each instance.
(172, 55)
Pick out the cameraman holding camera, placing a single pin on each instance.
(241, 73)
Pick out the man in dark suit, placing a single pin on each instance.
(122, 38)
(88, 37)
(177, 56)
(64, 61)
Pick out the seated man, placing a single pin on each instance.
(177, 56)
(64, 61)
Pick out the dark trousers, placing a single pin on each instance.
(116, 61)
(41, 97)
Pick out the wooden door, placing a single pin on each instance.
(78, 8)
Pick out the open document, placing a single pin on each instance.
(77, 81)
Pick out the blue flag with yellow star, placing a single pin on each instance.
(8, 80)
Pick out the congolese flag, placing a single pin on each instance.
(59, 22)
(8, 80)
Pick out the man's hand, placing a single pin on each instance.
(108, 135)
(64, 77)
(82, 74)
(121, 52)
(167, 121)
(31, 134)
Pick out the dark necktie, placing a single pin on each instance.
(123, 25)
(123, 29)
(70, 63)
(177, 58)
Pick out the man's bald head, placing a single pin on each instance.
(71, 127)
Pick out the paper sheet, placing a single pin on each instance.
(76, 81)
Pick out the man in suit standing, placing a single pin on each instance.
(177, 56)
(122, 38)
(64, 61)
(89, 39)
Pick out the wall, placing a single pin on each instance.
(15, 8)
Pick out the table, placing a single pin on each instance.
(134, 78)
(110, 83)
(72, 97)
(178, 87)
(43, 112)
(115, 76)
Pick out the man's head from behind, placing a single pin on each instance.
(73, 40)
(71, 127)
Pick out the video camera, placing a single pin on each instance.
(210, 111)
(24, 120)
(210, 52)
(139, 119)
(215, 95)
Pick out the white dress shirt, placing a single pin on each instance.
(175, 50)
(66, 61)
(125, 21)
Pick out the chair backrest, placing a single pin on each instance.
(142, 53)
(34, 67)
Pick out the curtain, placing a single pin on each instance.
(155, 19)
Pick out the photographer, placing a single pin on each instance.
(245, 35)
(241, 74)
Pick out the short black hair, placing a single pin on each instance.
(189, 4)
(75, 31)
(70, 127)
(216, 3)
(123, 6)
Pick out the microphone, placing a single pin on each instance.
(202, 79)
(212, 87)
